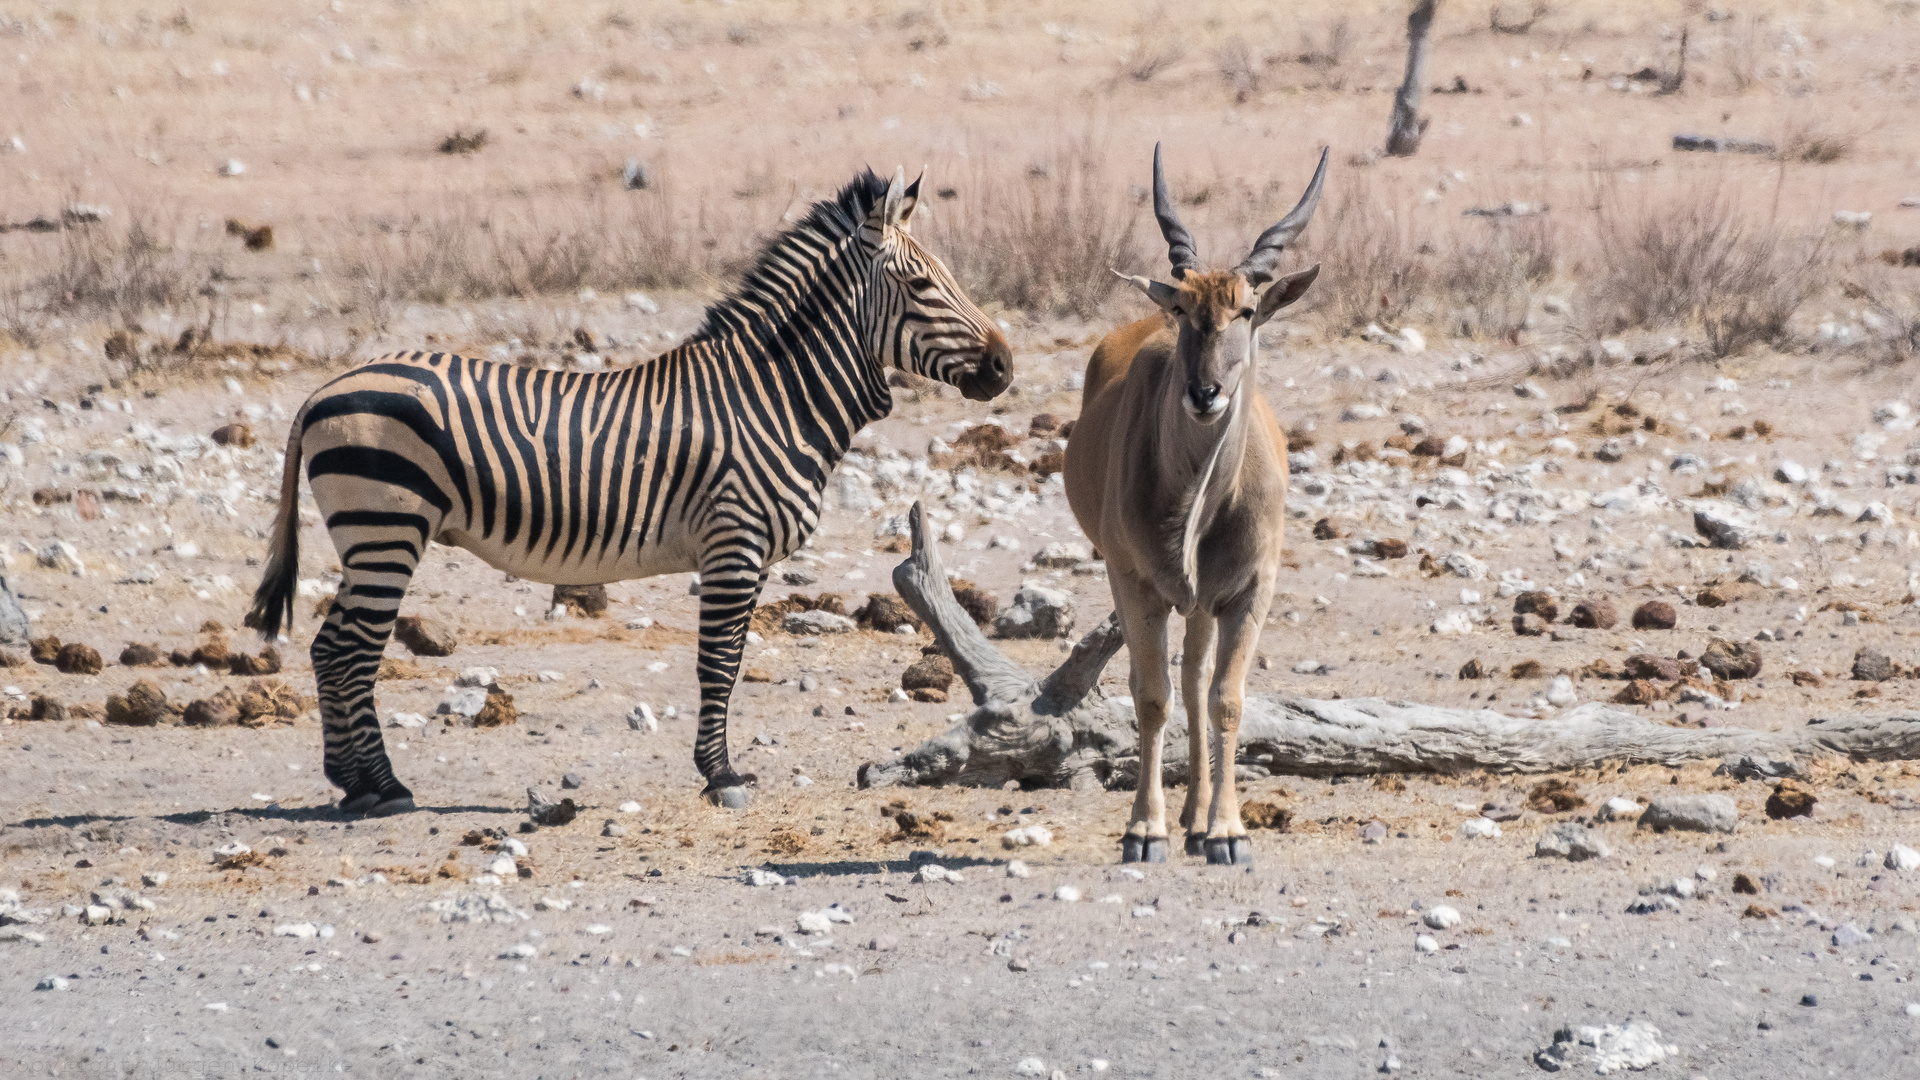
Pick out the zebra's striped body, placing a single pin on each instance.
(710, 458)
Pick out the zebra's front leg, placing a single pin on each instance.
(728, 593)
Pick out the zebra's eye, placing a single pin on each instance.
(919, 283)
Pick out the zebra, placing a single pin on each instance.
(711, 458)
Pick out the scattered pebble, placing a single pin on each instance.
(1069, 894)
(1441, 917)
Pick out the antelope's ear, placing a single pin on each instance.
(1284, 291)
(1161, 294)
(898, 205)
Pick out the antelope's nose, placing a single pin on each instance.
(1202, 395)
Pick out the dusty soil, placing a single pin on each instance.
(646, 952)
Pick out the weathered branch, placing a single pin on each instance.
(1064, 732)
(1403, 137)
(922, 582)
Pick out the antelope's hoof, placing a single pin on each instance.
(1133, 848)
(731, 798)
(1156, 850)
(1242, 849)
(1196, 843)
(1229, 851)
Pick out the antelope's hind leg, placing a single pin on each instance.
(1143, 622)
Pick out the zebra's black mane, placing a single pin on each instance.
(767, 285)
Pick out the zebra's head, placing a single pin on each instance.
(923, 321)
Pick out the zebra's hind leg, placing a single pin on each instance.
(346, 660)
(729, 587)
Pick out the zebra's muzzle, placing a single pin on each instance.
(992, 373)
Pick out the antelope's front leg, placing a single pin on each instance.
(1227, 840)
(730, 582)
(1196, 670)
(1143, 622)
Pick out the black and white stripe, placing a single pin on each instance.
(710, 458)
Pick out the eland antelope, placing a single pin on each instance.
(1178, 474)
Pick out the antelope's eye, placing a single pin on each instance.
(1246, 313)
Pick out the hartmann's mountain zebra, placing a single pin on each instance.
(711, 458)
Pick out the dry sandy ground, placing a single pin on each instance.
(1542, 943)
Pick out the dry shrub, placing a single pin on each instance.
(101, 270)
(1488, 272)
(1329, 51)
(1812, 142)
(1238, 67)
(641, 240)
(1694, 257)
(1374, 252)
(1044, 243)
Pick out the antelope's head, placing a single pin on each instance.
(924, 321)
(1217, 311)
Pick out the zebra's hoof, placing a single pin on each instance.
(1220, 851)
(359, 804)
(1196, 843)
(731, 798)
(387, 807)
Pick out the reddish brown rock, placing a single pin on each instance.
(237, 435)
(214, 652)
(585, 601)
(78, 659)
(498, 711)
(143, 705)
(1790, 799)
(1325, 529)
(44, 650)
(1638, 692)
(884, 612)
(1527, 669)
(1529, 625)
(1554, 796)
(46, 707)
(1654, 615)
(981, 605)
(1594, 615)
(1647, 666)
(426, 636)
(1390, 548)
(267, 663)
(1537, 603)
(138, 654)
(1731, 659)
(1472, 670)
(932, 672)
(220, 710)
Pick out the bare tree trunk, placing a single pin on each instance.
(1062, 731)
(1403, 139)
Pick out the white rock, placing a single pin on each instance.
(503, 866)
(1853, 219)
(1032, 1066)
(1479, 828)
(1455, 621)
(764, 878)
(1063, 555)
(1706, 873)
(1560, 694)
(1903, 858)
(1788, 472)
(514, 847)
(478, 676)
(232, 167)
(406, 720)
(929, 873)
(462, 701)
(96, 914)
(1069, 894)
(804, 623)
(1018, 869)
(56, 982)
(1425, 943)
(1619, 809)
(629, 807)
(1825, 862)
(296, 930)
(63, 557)
(522, 951)
(1409, 342)
(641, 718)
(1441, 917)
(1026, 836)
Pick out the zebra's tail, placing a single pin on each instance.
(273, 600)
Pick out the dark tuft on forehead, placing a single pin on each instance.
(1214, 288)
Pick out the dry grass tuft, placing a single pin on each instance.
(462, 142)
(1044, 243)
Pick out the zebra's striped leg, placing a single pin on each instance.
(346, 660)
(728, 592)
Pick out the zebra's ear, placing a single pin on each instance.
(890, 214)
(910, 199)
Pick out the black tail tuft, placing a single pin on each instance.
(273, 601)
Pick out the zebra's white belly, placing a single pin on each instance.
(673, 556)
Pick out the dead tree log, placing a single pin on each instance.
(1403, 137)
(1063, 731)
